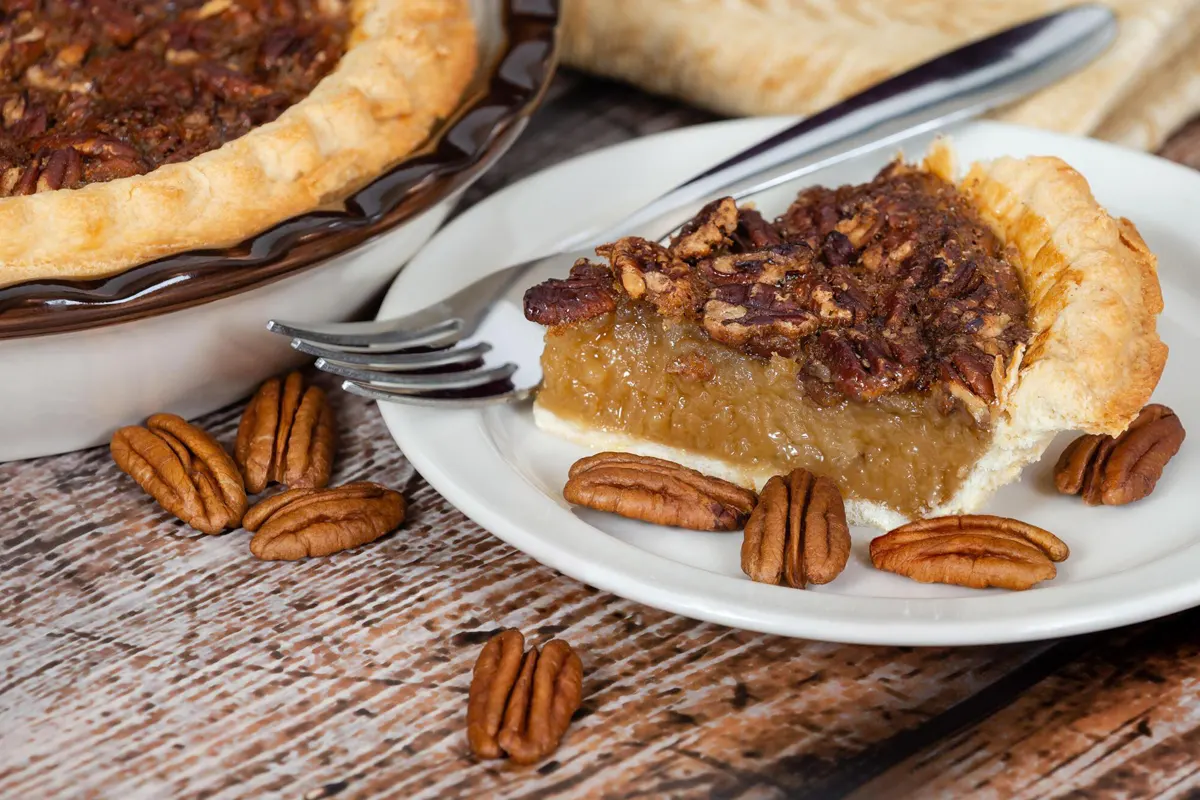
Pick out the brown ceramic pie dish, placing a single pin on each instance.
(93, 336)
(515, 55)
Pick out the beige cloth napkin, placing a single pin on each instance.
(742, 57)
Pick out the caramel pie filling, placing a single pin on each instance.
(93, 90)
(862, 335)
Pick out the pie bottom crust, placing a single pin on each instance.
(1092, 361)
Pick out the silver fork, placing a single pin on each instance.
(475, 348)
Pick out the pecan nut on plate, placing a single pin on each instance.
(520, 703)
(306, 522)
(658, 491)
(286, 436)
(972, 550)
(798, 533)
(184, 469)
(1115, 471)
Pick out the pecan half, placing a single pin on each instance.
(588, 292)
(184, 469)
(1115, 471)
(658, 491)
(522, 704)
(972, 550)
(286, 435)
(798, 532)
(300, 523)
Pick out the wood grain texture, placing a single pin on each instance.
(142, 659)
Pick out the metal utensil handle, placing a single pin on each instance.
(961, 84)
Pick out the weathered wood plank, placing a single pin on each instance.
(1124, 721)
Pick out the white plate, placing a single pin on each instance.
(1127, 564)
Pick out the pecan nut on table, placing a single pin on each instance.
(286, 436)
(798, 532)
(973, 550)
(520, 703)
(300, 523)
(1115, 471)
(184, 469)
(658, 491)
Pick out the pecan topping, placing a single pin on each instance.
(184, 469)
(588, 292)
(522, 704)
(978, 551)
(709, 230)
(888, 287)
(300, 523)
(798, 532)
(286, 436)
(657, 491)
(648, 271)
(1113, 472)
(105, 89)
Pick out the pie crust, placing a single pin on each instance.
(1090, 362)
(406, 66)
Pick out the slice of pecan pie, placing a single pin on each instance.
(918, 342)
(132, 129)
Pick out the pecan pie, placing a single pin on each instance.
(132, 129)
(914, 340)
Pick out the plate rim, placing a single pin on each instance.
(1164, 598)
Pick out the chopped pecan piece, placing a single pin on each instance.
(798, 532)
(770, 265)
(521, 704)
(753, 232)
(978, 551)
(586, 293)
(861, 366)
(300, 523)
(184, 469)
(706, 232)
(287, 435)
(658, 491)
(1115, 471)
(647, 270)
(757, 316)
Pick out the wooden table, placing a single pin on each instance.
(141, 659)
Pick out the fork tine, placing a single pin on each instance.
(440, 400)
(396, 362)
(439, 381)
(372, 334)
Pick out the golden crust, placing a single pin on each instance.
(1094, 298)
(407, 65)
(1094, 357)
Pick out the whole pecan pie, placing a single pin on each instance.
(132, 129)
(914, 340)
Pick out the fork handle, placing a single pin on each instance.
(961, 84)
